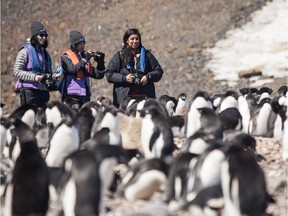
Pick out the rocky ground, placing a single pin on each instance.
(175, 31)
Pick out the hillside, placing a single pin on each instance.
(175, 31)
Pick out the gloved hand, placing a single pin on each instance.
(99, 57)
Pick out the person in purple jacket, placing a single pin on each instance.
(33, 68)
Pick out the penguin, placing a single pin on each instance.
(229, 114)
(210, 123)
(198, 143)
(181, 105)
(260, 117)
(128, 101)
(177, 124)
(206, 172)
(264, 92)
(4, 126)
(282, 91)
(156, 133)
(81, 190)
(244, 140)
(95, 106)
(146, 177)
(177, 177)
(84, 121)
(57, 111)
(169, 103)
(64, 141)
(228, 100)
(243, 183)
(108, 118)
(277, 117)
(26, 113)
(208, 201)
(108, 157)
(201, 99)
(244, 108)
(27, 193)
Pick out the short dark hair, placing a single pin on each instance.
(34, 41)
(128, 33)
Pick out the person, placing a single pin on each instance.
(133, 70)
(77, 70)
(33, 68)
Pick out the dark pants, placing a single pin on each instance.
(34, 96)
(75, 101)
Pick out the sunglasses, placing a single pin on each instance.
(43, 35)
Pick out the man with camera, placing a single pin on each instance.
(77, 70)
(133, 70)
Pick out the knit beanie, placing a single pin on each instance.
(76, 37)
(37, 28)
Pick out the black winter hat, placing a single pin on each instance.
(76, 37)
(37, 28)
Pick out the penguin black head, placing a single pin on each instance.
(265, 89)
(282, 90)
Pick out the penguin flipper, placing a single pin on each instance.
(154, 137)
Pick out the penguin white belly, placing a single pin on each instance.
(106, 172)
(146, 134)
(230, 208)
(7, 208)
(277, 131)
(158, 146)
(262, 120)
(64, 142)
(211, 168)
(69, 198)
(145, 186)
(29, 118)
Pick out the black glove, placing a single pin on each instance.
(101, 66)
(99, 57)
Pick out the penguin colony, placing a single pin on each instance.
(61, 160)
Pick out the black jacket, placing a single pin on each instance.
(116, 73)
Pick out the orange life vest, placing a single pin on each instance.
(75, 60)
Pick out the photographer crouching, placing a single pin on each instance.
(75, 87)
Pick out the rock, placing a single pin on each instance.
(250, 73)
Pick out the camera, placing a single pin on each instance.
(98, 56)
(138, 76)
(49, 82)
(137, 80)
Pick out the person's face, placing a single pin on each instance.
(80, 46)
(133, 41)
(41, 38)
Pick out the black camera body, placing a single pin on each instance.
(98, 56)
(49, 82)
(138, 76)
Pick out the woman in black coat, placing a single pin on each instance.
(133, 70)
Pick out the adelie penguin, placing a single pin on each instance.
(156, 134)
(169, 102)
(146, 177)
(64, 141)
(182, 105)
(200, 100)
(27, 193)
(108, 118)
(56, 112)
(81, 185)
(243, 184)
(26, 113)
